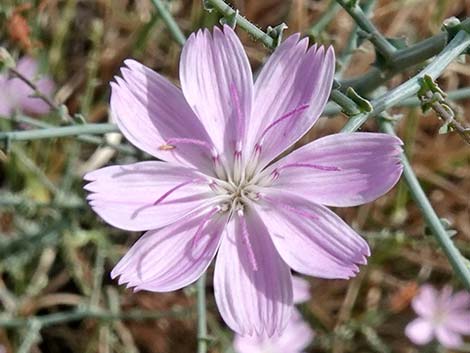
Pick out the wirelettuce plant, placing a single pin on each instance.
(223, 190)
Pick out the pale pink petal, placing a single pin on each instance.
(145, 195)
(424, 304)
(297, 336)
(252, 285)
(172, 257)
(294, 339)
(153, 114)
(301, 289)
(293, 79)
(460, 301)
(448, 338)
(459, 322)
(312, 239)
(419, 331)
(342, 169)
(28, 67)
(217, 82)
(34, 105)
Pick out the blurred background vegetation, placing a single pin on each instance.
(55, 254)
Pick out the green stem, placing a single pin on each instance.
(324, 20)
(58, 132)
(223, 8)
(95, 140)
(402, 60)
(430, 216)
(455, 47)
(77, 315)
(201, 315)
(170, 22)
(383, 46)
(455, 95)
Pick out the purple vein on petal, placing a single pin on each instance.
(246, 240)
(288, 115)
(172, 142)
(308, 165)
(202, 224)
(239, 115)
(172, 190)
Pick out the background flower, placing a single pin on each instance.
(16, 95)
(294, 339)
(442, 315)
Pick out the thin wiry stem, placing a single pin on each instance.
(201, 315)
(381, 44)
(455, 47)
(438, 230)
(64, 131)
(169, 22)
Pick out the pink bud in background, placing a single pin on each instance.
(16, 95)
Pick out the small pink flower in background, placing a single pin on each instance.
(217, 191)
(16, 95)
(294, 339)
(442, 315)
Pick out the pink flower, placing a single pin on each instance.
(294, 339)
(218, 190)
(441, 315)
(16, 95)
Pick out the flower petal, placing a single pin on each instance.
(150, 112)
(424, 304)
(295, 338)
(145, 195)
(341, 170)
(301, 290)
(292, 78)
(252, 301)
(217, 82)
(448, 338)
(34, 105)
(312, 239)
(459, 322)
(172, 257)
(419, 331)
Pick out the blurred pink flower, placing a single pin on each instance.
(15, 95)
(217, 192)
(442, 315)
(294, 339)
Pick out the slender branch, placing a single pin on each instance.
(459, 94)
(37, 92)
(169, 21)
(64, 131)
(77, 315)
(324, 20)
(455, 47)
(381, 44)
(225, 9)
(95, 140)
(35, 88)
(402, 60)
(201, 315)
(438, 230)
